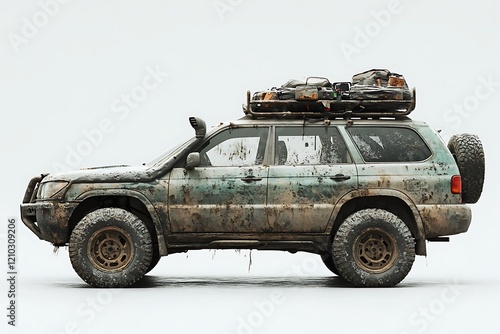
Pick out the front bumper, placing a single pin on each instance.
(48, 220)
(443, 220)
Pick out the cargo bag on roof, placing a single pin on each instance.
(313, 89)
(298, 95)
(379, 84)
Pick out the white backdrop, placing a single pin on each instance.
(89, 83)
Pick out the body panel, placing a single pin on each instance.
(215, 200)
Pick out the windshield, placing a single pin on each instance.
(170, 153)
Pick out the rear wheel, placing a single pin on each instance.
(110, 248)
(468, 152)
(373, 248)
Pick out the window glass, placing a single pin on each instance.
(389, 144)
(235, 147)
(310, 146)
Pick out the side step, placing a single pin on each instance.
(291, 246)
(439, 239)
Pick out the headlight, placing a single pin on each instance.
(51, 189)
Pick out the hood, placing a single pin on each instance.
(117, 173)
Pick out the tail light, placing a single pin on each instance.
(456, 184)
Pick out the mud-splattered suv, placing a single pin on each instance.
(363, 193)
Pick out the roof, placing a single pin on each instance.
(251, 121)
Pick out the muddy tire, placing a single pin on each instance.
(154, 260)
(328, 261)
(110, 248)
(373, 248)
(469, 155)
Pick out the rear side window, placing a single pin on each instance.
(310, 146)
(389, 144)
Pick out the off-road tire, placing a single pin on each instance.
(328, 261)
(373, 248)
(110, 248)
(469, 155)
(154, 260)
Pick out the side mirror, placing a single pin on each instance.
(192, 160)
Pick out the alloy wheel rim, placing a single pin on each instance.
(375, 250)
(110, 249)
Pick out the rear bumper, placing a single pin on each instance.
(48, 220)
(442, 220)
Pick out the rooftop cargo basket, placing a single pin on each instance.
(330, 108)
(319, 98)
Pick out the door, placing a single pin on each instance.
(227, 193)
(312, 170)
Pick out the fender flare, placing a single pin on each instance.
(162, 246)
(376, 192)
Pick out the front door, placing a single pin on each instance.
(227, 193)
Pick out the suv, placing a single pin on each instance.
(364, 191)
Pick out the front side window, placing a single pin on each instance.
(389, 144)
(309, 146)
(235, 148)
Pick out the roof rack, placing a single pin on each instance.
(330, 108)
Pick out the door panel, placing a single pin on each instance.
(227, 194)
(215, 200)
(312, 171)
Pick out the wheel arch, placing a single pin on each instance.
(132, 201)
(386, 199)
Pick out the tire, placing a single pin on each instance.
(328, 261)
(469, 155)
(110, 248)
(154, 260)
(373, 248)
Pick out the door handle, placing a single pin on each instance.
(251, 179)
(340, 177)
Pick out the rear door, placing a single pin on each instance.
(311, 172)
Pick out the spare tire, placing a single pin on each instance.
(469, 155)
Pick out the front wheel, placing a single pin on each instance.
(110, 248)
(373, 248)
(154, 261)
